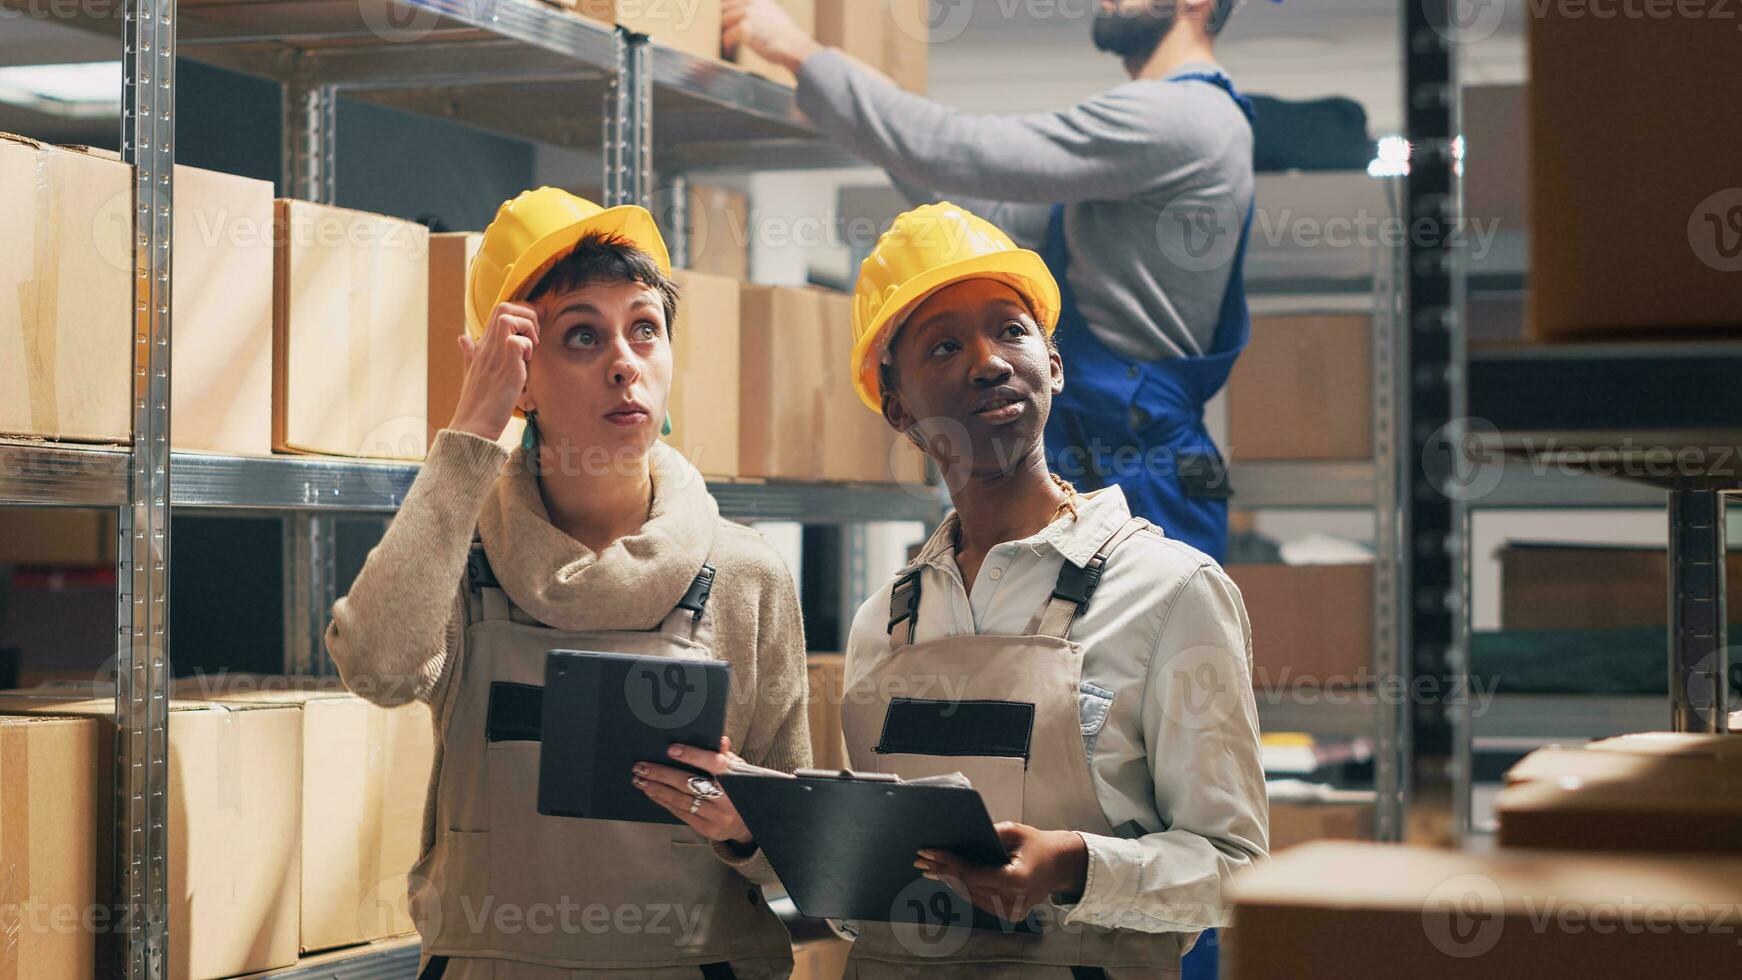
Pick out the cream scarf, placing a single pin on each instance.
(632, 585)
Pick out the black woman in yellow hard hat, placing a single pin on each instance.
(592, 536)
(1099, 672)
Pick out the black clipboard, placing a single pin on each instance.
(604, 712)
(844, 843)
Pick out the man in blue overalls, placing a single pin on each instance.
(1140, 199)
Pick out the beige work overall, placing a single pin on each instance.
(506, 893)
(1051, 790)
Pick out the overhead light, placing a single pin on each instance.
(90, 90)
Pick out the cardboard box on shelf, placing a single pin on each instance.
(781, 362)
(66, 263)
(1724, 750)
(49, 825)
(221, 395)
(692, 26)
(57, 536)
(858, 445)
(804, 14)
(1621, 244)
(1664, 813)
(1297, 823)
(365, 771)
(827, 673)
(449, 256)
(1303, 389)
(1439, 914)
(350, 333)
(1556, 763)
(820, 959)
(892, 36)
(719, 232)
(1312, 625)
(1575, 587)
(705, 393)
(235, 781)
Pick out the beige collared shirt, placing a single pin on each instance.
(1166, 704)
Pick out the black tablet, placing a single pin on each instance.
(844, 847)
(604, 712)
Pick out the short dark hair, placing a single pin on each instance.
(606, 258)
(1220, 11)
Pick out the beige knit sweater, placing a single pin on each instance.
(399, 635)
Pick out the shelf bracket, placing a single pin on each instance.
(1699, 668)
(629, 123)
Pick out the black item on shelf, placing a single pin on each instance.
(11, 663)
(1593, 662)
(1318, 134)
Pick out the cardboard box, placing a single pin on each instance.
(1561, 763)
(1623, 242)
(49, 826)
(1349, 911)
(705, 394)
(66, 294)
(692, 26)
(235, 780)
(804, 14)
(719, 232)
(783, 397)
(221, 354)
(1298, 823)
(892, 36)
(1723, 750)
(1576, 587)
(827, 673)
(1312, 625)
(820, 959)
(58, 536)
(1303, 390)
(350, 333)
(365, 772)
(858, 445)
(449, 256)
(1667, 813)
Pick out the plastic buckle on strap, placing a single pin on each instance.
(478, 571)
(1078, 584)
(696, 598)
(904, 600)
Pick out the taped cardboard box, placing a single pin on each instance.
(1350, 911)
(1312, 625)
(350, 333)
(691, 26)
(1578, 587)
(803, 14)
(57, 537)
(66, 292)
(892, 36)
(49, 822)
(781, 382)
(450, 254)
(1660, 814)
(365, 772)
(1303, 389)
(235, 854)
(827, 675)
(221, 358)
(1292, 824)
(858, 445)
(1664, 757)
(1639, 235)
(705, 391)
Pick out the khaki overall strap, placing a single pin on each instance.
(904, 608)
(485, 599)
(686, 619)
(1076, 586)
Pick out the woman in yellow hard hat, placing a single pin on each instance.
(1099, 672)
(591, 536)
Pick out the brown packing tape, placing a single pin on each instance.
(361, 301)
(39, 299)
(15, 893)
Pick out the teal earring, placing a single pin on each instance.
(665, 430)
(529, 437)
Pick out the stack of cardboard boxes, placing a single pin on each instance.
(294, 817)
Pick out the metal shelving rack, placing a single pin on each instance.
(480, 62)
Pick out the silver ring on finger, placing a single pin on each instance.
(704, 788)
(696, 804)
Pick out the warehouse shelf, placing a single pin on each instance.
(393, 959)
(45, 475)
(1572, 717)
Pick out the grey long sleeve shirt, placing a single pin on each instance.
(1155, 177)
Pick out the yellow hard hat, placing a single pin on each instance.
(923, 251)
(534, 230)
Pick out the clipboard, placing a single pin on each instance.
(604, 712)
(843, 843)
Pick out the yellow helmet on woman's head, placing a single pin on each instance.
(533, 231)
(923, 251)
